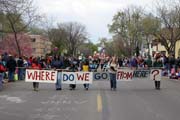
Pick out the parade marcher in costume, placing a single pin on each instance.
(157, 64)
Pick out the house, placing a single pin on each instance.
(40, 45)
(158, 47)
(31, 45)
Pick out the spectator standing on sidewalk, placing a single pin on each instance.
(2, 70)
(11, 66)
(171, 61)
(134, 63)
(148, 62)
(20, 65)
(120, 62)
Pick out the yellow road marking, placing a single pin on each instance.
(99, 103)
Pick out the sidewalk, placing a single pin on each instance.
(167, 78)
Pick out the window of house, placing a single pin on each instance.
(34, 49)
(33, 39)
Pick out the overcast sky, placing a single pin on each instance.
(94, 14)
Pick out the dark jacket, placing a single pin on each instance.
(56, 64)
(158, 63)
(11, 65)
(20, 62)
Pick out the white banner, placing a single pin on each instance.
(68, 78)
(124, 75)
(155, 74)
(77, 77)
(43, 76)
(50, 76)
(84, 77)
(100, 76)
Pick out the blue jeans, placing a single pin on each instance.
(112, 80)
(86, 85)
(11, 76)
(20, 73)
(58, 83)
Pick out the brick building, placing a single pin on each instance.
(31, 45)
(40, 45)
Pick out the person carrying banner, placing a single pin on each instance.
(35, 65)
(85, 68)
(72, 68)
(157, 63)
(57, 64)
(112, 72)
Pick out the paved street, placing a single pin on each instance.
(135, 100)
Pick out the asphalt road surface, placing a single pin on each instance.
(133, 100)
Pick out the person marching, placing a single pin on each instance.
(157, 64)
(57, 64)
(35, 65)
(85, 68)
(112, 72)
(72, 68)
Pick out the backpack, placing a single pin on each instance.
(2, 68)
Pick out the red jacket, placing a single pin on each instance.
(36, 66)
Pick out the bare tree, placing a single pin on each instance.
(127, 25)
(75, 35)
(57, 37)
(8, 44)
(19, 15)
(168, 13)
(121, 47)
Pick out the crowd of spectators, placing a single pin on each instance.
(16, 66)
